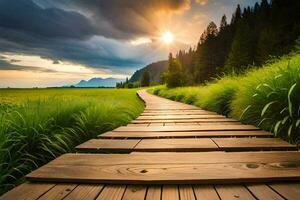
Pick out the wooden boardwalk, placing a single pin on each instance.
(173, 151)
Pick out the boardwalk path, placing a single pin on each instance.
(172, 151)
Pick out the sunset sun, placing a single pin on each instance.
(167, 37)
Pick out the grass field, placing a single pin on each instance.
(268, 97)
(37, 125)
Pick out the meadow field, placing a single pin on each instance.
(37, 125)
(267, 97)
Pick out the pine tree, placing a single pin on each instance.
(223, 23)
(242, 50)
(145, 80)
(175, 75)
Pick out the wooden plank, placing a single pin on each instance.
(85, 192)
(200, 112)
(289, 191)
(103, 144)
(84, 159)
(154, 193)
(21, 192)
(233, 144)
(152, 135)
(211, 120)
(262, 191)
(203, 144)
(170, 192)
(186, 192)
(188, 128)
(112, 192)
(234, 192)
(205, 192)
(135, 192)
(140, 124)
(181, 117)
(58, 192)
(189, 144)
(208, 168)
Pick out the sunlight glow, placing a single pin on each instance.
(167, 37)
(139, 41)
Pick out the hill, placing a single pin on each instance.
(155, 70)
(98, 82)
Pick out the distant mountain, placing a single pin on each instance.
(155, 69)
(99, 82)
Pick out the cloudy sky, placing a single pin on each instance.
(59, 42)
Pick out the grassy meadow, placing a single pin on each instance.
(268, 97)
(37, 125)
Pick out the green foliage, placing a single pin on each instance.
(267, 97)
(37, 125)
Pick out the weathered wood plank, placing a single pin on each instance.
(137, 121)
(103, 144)
(85, 192)
(152, 135)
(189, 144)
(233, 144)
(200, 112)
(58, 192)
(262, 191)
(215, 127)
(153, 193)
(234, 192)
(112, 192)
(210, 168)
(186, 192)
(203, 144)
(205, 192)
(290, 191)
(180, 117)
(170, 192)
(27, 191)
(135, 192)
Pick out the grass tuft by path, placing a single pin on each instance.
(268, 97)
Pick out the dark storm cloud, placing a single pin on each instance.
(4, 65)
(55, 33)
(97, 56)
(24, 15)
(129, 18)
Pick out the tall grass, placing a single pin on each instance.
(38, 125)
(268, 97)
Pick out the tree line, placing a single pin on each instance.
(254, 35)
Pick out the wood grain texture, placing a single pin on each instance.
(186, 192)
(290, 191)
(135, 192)
(210, 168)
(112, 192)
(85, 192)
(154, 193)
(234, 192)
(262, 191)
(170, 192)
(205, 192)
(58, 192)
